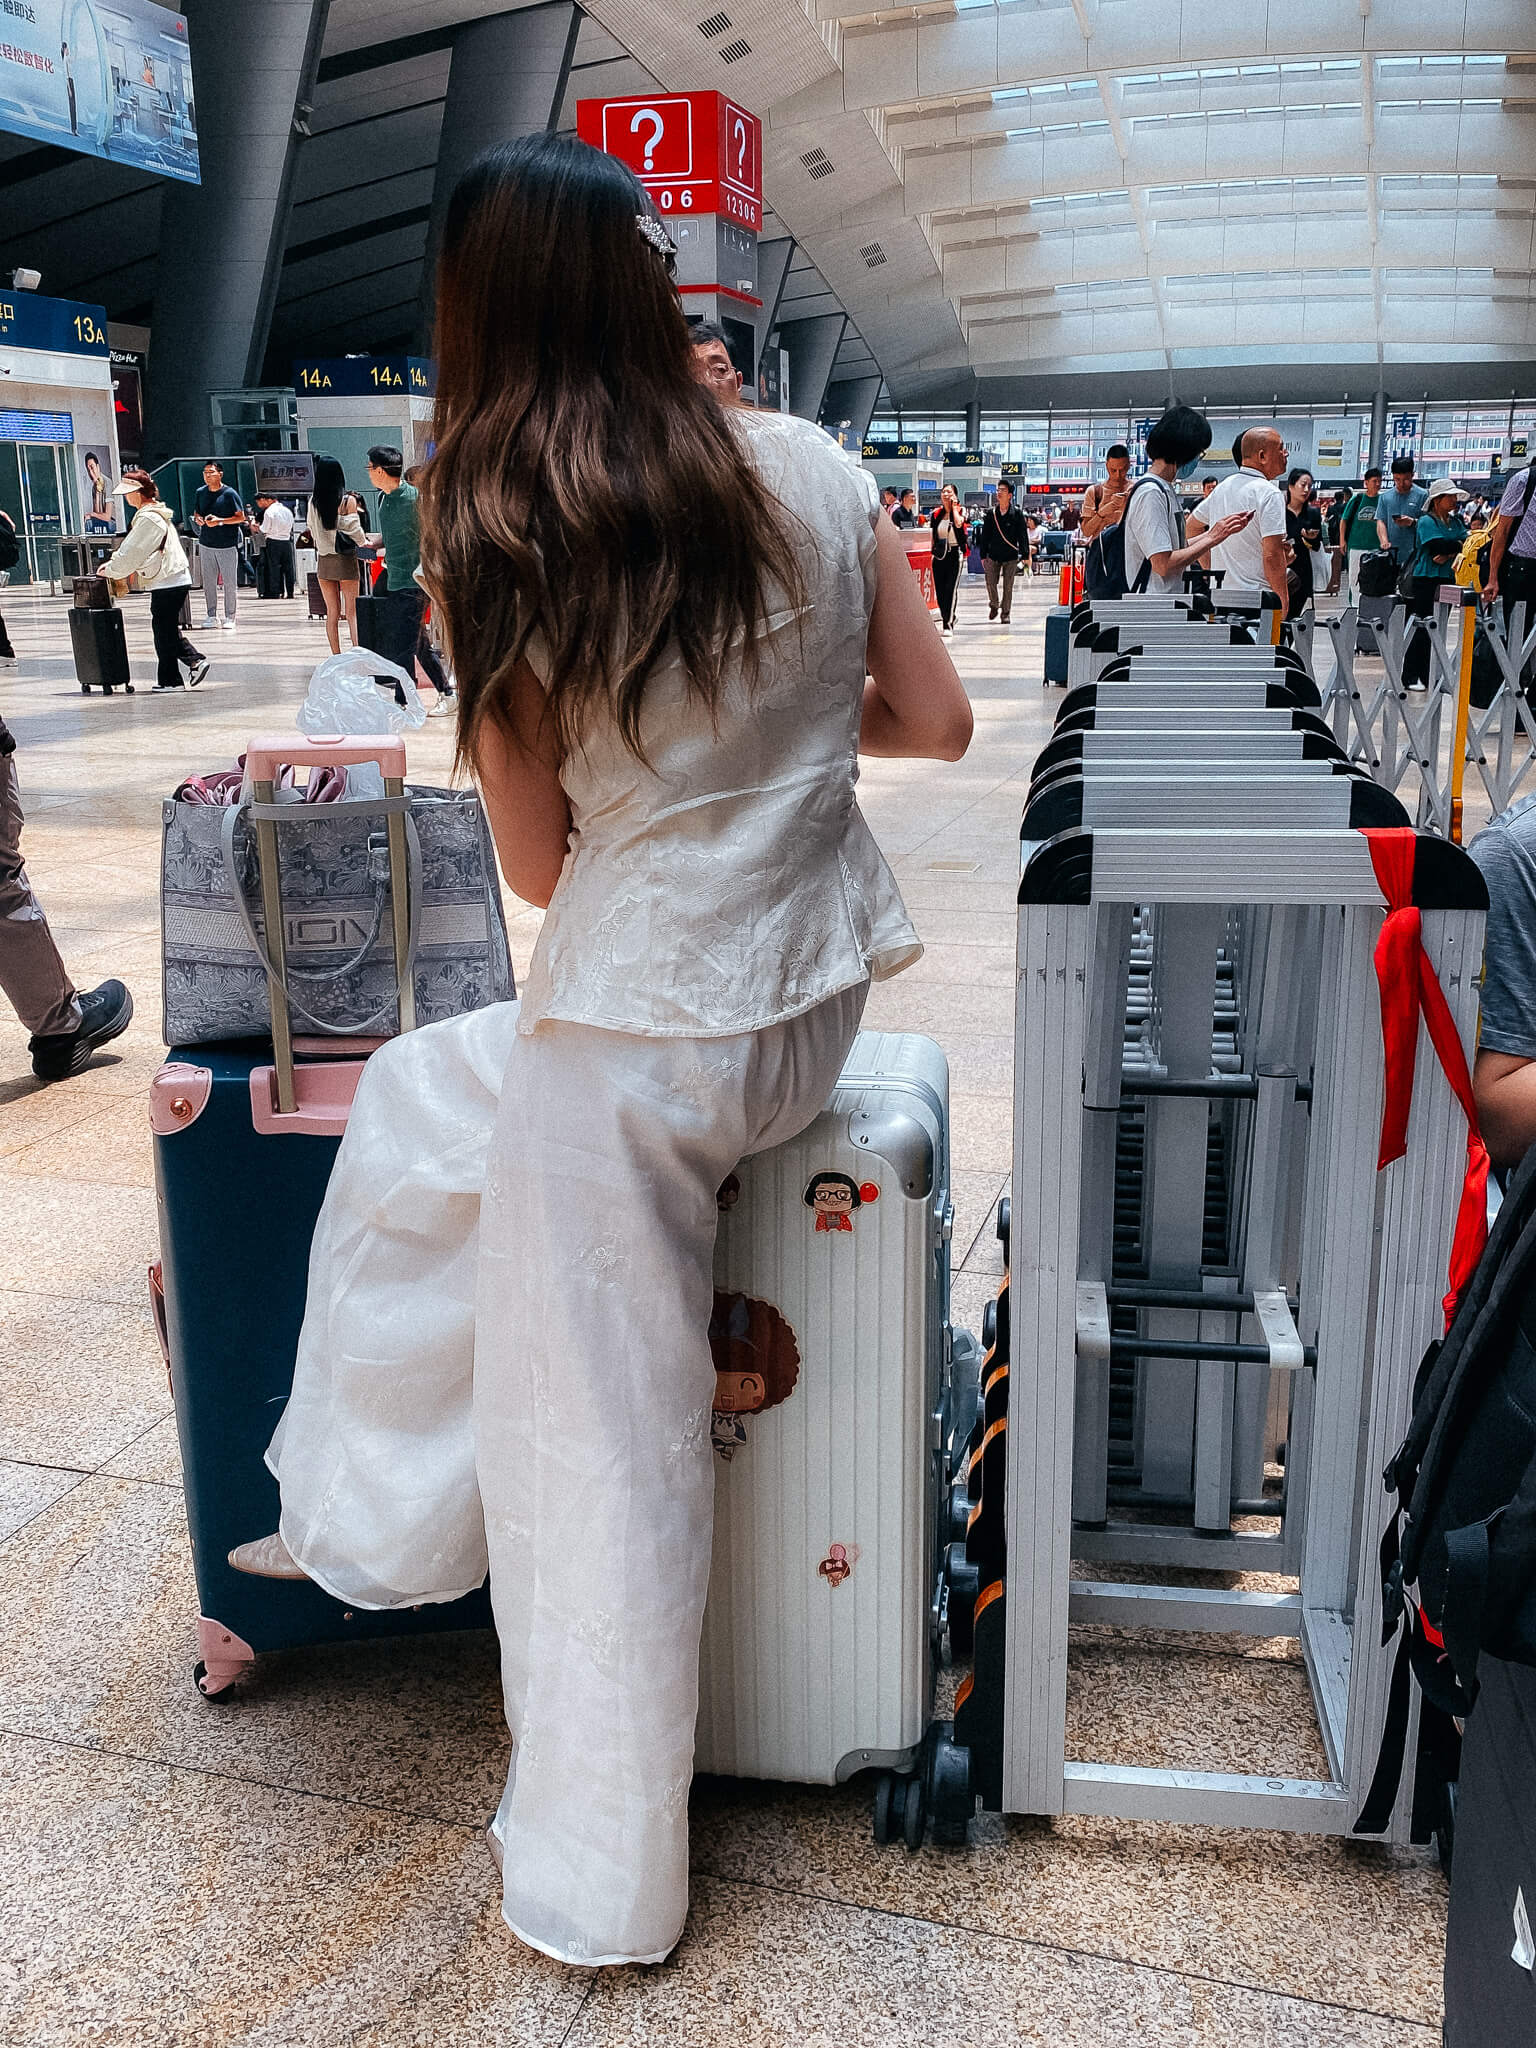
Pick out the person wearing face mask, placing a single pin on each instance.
(947, 523)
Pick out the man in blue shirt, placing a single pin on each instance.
(1504, 1078)
(217, 518)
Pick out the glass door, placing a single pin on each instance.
(11, 502)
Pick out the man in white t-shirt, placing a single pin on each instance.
(1154, 519)
(1254, 558)
(277, 524)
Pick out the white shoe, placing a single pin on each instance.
(229, 626)
(197, 671)
(948, 633)
(493, 1843)
(211, 624)
(441, 708)
(266, 1557)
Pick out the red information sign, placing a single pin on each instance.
(694, 152)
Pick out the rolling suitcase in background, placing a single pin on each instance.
(832, 1272)
(1058, 644)
(100, 648)
(240, 1176)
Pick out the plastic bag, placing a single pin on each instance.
(356, 692)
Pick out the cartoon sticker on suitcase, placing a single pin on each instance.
(757, 1364)
(835, 1196)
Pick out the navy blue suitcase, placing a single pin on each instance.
(237, 1210)
(238, 1194)
(1058, 642)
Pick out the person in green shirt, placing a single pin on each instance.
(403, 639)
(1362, 531)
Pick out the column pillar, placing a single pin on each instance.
(1378, 448)
(221, 242)
(812, 345)
(507, 78)
(973, 424)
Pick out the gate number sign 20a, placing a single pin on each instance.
(694, 152)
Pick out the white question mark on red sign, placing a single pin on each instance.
(658, 129)
(740, 132)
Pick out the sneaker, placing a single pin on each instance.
(228, 625)
(441, 708)
(266, 1557)
(105, 1013)
(991, 615)
(165, 688)
(947, 633)
(211, 624)
(197, 671)
(7, 657)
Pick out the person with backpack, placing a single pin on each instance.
(1148, 549)
(1362, 531)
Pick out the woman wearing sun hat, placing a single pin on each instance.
(1439, 539)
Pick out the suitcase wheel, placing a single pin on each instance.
(900, 1809)
(85, 689)
(950, 1801)
(220, 1693)
(127, 689)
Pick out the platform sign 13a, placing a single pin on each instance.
(694, 152)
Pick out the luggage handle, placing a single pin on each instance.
(263, 757)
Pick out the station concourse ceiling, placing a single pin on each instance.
(1010, 202)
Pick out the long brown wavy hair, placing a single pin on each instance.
(585, 488)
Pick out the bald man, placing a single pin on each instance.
(1254, 558)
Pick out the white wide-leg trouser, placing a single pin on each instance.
(574, 1451)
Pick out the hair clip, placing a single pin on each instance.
(655, 234)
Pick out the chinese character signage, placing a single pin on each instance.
(694, 152)
(112, 78)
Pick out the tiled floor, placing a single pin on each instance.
(305, 1866)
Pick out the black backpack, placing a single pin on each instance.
(10, 547)
(1104, 570)
(1464, 1534)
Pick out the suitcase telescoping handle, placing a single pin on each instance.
(263, 758)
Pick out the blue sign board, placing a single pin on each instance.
(902, 451)
(363, 376)
(37, 426)
(61, 326)
(111, 78)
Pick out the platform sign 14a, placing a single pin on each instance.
(365, 377)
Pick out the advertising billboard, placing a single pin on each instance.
(111, 78)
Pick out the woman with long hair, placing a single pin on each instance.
(336, 526)
(951, 538)
(152, 551)
(661, 614)
(1303, 530)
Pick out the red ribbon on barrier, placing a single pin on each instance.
(1409, 986)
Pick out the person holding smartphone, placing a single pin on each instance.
(218, 520)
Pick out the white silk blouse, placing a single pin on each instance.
(733, 883)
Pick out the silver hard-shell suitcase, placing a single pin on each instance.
(832, 1297)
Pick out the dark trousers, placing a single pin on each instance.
(278, 568)
(171, 645)
(5, 641)
(1420, 606)
(403, 639)
(946, 581)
